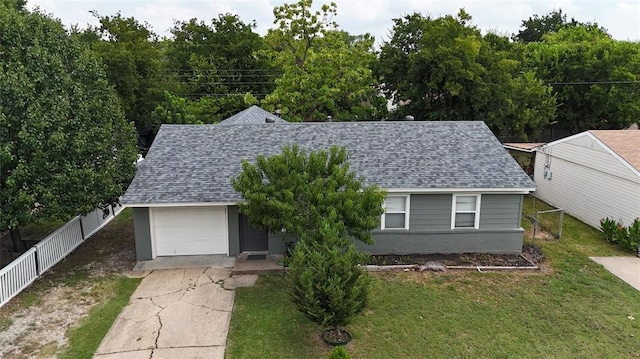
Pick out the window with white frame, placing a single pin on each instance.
(396, 213)
(465, 211)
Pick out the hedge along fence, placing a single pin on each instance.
(626, 237)
(22, 271)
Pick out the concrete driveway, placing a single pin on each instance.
(176, 313)
(625, 268)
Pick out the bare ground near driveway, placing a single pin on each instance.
(33, 325)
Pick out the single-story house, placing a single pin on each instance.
(451, 186)
(592, 175)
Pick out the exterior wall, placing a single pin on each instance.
(430, 228)
(234, 230)
(459, 241)
(587, 182)
(142, 233)
(276, 243)
(431, 212)
(500, 211)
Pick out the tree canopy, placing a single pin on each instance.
(318, 200)
(555, 73)
(65, 145)
(217, 64)
(534, 28)
(132, 58)
(326, 72)
(444, 69)
(596, 79)
(295, 190)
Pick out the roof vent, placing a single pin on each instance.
(408, 118)
(328, 118)
(270, 120)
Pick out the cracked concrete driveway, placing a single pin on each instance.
(175, 313)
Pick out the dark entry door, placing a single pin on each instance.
(252, 239)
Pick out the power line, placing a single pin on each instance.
(223, 94)
(568, 83)
(219, 76)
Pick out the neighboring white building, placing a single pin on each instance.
(592, 175)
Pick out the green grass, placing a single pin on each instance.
(573, 308)
(84, 339)
(124, 216)
(5, 323)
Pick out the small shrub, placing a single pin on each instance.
(620, 234)
(326, 281)
(627, 238)
(339, 353)
(608, 227)
(633, 236)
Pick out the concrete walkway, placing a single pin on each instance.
(625, 268)
(176, 313)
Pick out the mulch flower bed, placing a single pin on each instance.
(531, 255)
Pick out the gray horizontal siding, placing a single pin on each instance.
(276, 243)
(500, 211)
(461, 241)
(430, 212)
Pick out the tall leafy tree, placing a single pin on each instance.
(295, 191)
(427, 63)
(596, 79)
(326, 72)
(218, 62)
(179, 110)
(444, 69)
(132, 56)
(534, 28)
(65, 145)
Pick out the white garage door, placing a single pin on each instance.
(180, 231)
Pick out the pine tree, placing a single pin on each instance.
(327, 282)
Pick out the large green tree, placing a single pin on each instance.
(133, 59)
(65, 145)
(316, 198)
(534, 28)
(218, 64)
(444, 69)
(326, 72)
(595, 78)
(294, 191)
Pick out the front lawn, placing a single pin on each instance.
(572, 308)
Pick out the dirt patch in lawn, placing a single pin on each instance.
(531, 256)
(37, 319)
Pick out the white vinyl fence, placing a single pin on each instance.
(58, 244)
(18, 275)
(94, 221)
(33, 263)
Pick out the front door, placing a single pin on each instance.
(252, 239)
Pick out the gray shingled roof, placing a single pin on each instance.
(195, 163)
(251, 115)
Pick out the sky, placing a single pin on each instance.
(620, 17)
